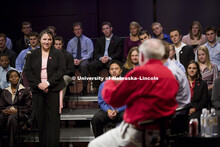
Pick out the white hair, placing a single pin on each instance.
(152, 49)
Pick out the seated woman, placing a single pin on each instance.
(133, 39)
(132, 61)
(208, 70)
(198, 89)
(195, 37)
(9, 105)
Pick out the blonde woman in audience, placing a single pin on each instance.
(133, 39)
(195, 37)
(208, 70)
(132, 60)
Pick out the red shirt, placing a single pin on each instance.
(192, 88)
(145, 99)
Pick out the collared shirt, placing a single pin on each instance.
(214, 53)
(107, 42)
(103, 105)
(3, 81)
(8, 43)
(183, 95)
(87, 47)
(166, 37)
(20, 61)
(192, 87)
(210, 76)
(149, 94)
(178, 49)
(179, 65)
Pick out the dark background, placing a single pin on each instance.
(62, 14)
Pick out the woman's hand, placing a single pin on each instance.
(9, 111)
(42, 86)
(191, 111)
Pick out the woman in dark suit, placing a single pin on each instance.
(9, 105)
(198, 88)
(44, 70)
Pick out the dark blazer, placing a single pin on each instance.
(55, 69)
(24, 96)
(20, 45)
(199, 99)
(114, 50)
(70, 67)
(186, 54)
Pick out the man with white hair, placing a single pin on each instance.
(144, 91)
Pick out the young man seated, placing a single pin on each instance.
(107, 113)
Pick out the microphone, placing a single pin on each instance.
(27, 54)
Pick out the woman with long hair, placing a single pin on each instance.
(198, 89)
(133, 39)
(208, 70)
(195, 37)
(132, 60)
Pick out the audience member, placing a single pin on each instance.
(172, 56)
(107, 48)
(213, 46)
(44, 70)
(6, 51)
(198, 88)
(81, 47)
(208, 70)
(107, 113)
(133, 39)
(218, 34)
(53, 30)
(23, 42)
(34, 44)
(144, 35)
(184, 53)
(195, 38)
(131, 62)
(5, 67)
(8, 43)
(158, 32)
(9, 105)
(70, 70)
(183, 95)
(143, 99)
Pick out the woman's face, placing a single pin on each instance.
(134, 57)
(13, 78)
(46, 41)
(192, 69)
(195, 30)
(202, 56)
(133, 30)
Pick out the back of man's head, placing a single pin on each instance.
(152, 49)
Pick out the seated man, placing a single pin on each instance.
(4, 50)
(107, 113)
(69, 72)
(81, 48)
(144, 35)
(107, 48)
(146, 96)
(5, 67)
(158, 32)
